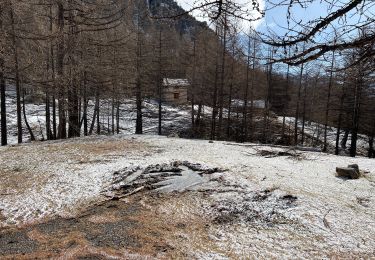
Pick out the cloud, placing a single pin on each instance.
(245, 4)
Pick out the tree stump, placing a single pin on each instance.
(347, 172)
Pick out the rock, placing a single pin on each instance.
(347, 172)
(211, 142)
(354, 166)
(173, 135)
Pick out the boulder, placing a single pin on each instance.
(354, 166)
(347, 172)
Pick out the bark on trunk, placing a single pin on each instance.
(85, 104)
(97, 105)
(222, 81)
(117, 116)
(3, 113)
(74, 124)
(344, 139)
(4, 135)
(297, 108)
(160, 85)
(337, 146)
(286, 106)
(60, 72)
(32, 137)
(267, 99)
(244, 130)
(139, 120)
(328, 103)
(304, 115)
(17, 79)
(214, 101)
(371, 151)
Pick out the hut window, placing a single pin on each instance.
(176, 95)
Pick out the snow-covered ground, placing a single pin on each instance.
(174, 119)
(263, 204)
(316, 131)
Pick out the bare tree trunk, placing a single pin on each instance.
(73, 100)
(371, 151)
(244, 130)
(193, 87)
(54, 114)
(268, 98)
(4, 134)
(160, 85)
(344, 139)
(91, 130)
(337, 146)
(113, 115)
(297, 108)
(54, 123)
(3, 111)
(60, 72)
(328, 103)
(138, 90)
(222, 80)
(138, 125)
(32, 137)
(117, 116)
(214, 101)
(230, 93)
(17, 78)
(74, 124)
(355, 122)
(47, 100)
(97, 105)
(85, 104)
(50, 71)
(108, 119)
(286, 106)
(48, 116)
(252, 127)
(199, 112)
(304, 115)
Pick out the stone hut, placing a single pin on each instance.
(175, 91)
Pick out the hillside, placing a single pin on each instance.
(140, 197)
(130, 130)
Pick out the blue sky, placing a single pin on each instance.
(275, 21)
(273, 17)
(276, 18)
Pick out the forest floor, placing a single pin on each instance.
(146, 197)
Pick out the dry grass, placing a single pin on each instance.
(175, 225)
(25, 166)
(106, 217)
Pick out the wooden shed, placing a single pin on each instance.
(175, 91)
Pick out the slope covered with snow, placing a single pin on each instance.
(174, 119)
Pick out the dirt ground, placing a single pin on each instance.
(131, 228)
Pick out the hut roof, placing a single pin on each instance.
(167, 82)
